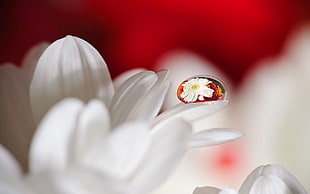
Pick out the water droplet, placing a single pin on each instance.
(201, 89)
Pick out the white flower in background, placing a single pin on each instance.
(196, 89)
(16, 122)
(279, 93)
(271, 108)
(268, 179)
(118, 135)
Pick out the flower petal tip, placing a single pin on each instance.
(214, 136)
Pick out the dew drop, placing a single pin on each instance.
(201, 89)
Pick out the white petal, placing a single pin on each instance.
(213, 137)
(93, 125)
(39, 183)
(69, 67)
(7, 188)
(280, 172)
(122, 151)
(167, 148)
(269, 185)
(228, 191)
(30, 60)
(206, 190)
(16, 122)
(50, 148)
(190, 112)
(249, 181)
(122, 78)
(9, 167)
(149, 106)
(274, 170)
(129, 94)
(78, 181)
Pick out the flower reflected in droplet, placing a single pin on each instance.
(201, 89)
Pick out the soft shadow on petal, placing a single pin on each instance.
(213, 137)
(93, 125)
(228, 191)
(129, 94)
(9, 167)
(122, 151)
(16, 122)
(122, 78)
(190, 112)
(275, 170)
(39, 184)
(213, 190)
(50, 147)
(206, 190)
(97, 70)
(79, 181)
(166, 150)
(31, 58)
(149, 106)
(8, 188)
(69, 67)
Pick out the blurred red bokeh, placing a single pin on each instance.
(135, 33)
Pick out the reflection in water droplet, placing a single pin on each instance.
(201, 89)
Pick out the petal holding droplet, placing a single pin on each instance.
(69, 67)
(190, 112)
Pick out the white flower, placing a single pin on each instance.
(263, 180)
(118, 135)
(196, 89)
(283, 111)
(273, 103)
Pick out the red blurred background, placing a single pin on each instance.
(135, 33)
